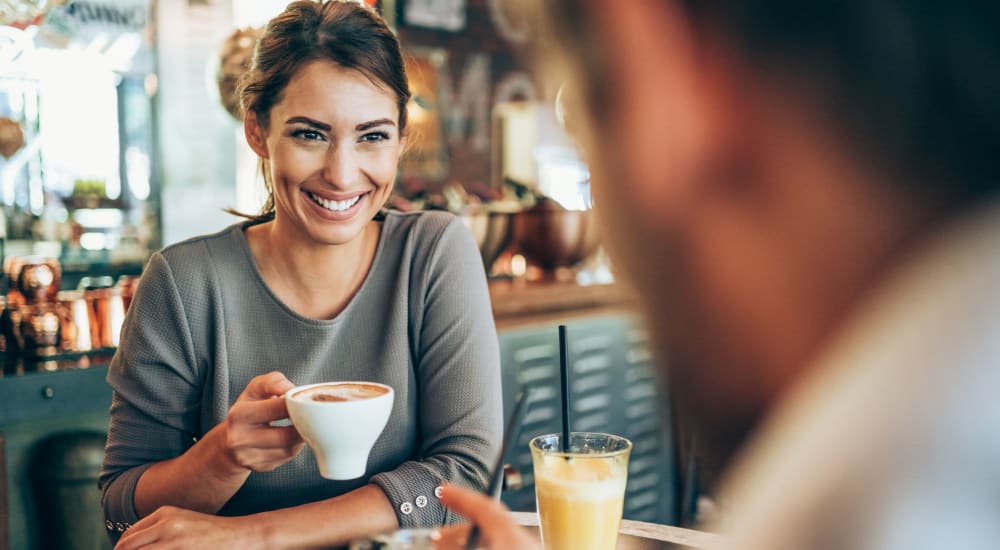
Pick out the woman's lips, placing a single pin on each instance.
(335, 205)
(335, 210)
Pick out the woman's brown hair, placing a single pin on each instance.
(349, 34)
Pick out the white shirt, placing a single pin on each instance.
(893, 439)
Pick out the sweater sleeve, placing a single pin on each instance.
(459, 392)
(156, 392)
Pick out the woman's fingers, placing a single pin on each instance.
(264, 438)
(136, 538)
(260, 402)
(258, 460)
(140, 535)
(176, 528)
(267, 385)
(263, 449)
(250, 440)
(262, 411)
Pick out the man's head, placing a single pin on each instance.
(758, 165)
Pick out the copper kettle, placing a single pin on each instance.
(106, 308)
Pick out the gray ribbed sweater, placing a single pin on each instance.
(203, 323)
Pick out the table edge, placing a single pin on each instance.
(651, 531)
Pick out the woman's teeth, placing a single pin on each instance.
(336, 206)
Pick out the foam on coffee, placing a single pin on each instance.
(333, 393)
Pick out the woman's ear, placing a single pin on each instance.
(255, 134)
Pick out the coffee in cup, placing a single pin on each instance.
(343, 391)
(340, 421)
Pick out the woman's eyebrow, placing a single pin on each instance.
(373, 123)
(310, 122)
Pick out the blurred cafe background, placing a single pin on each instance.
(119, 134)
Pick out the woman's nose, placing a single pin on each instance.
(342, 167)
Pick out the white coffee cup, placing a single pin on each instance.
(340, 422)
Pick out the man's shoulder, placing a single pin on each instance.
(904, 440)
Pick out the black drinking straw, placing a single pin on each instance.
(564, 370)
(496, 477)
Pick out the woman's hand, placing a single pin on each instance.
(499, 531)
(208, 474)
(251, 442)
(170, 527)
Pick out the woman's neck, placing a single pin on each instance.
(315, 280)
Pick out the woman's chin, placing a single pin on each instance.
(341, 235)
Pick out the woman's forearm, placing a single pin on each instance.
(202, 479)
(331, 522)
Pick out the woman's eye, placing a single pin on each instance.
(374, 137)
(308, 135)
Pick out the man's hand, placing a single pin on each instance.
(497, 528)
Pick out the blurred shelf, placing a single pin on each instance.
(35, 395)
(19, 365)
(72, 273)
(520, 302)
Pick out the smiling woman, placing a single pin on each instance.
(322, 285)
(331, 152)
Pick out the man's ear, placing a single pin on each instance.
(255, 134)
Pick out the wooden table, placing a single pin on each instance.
(639, 535)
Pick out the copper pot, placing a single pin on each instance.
(40, 329)
(37, 278)
(106, 309)
(499, 235)
(8, 343)
(11, 269)
(12, 326)
(75, 316)
(492, 230)
(551, 238)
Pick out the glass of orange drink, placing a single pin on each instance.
(580, 491)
